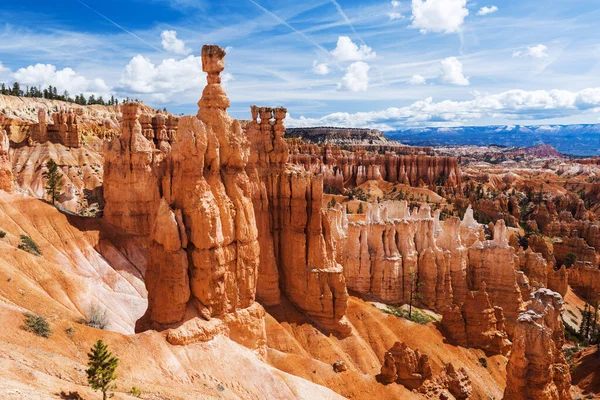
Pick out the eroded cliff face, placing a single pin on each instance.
(476, 324)
(301, 240)
(131, 176)
(537, 368)
(204, 252)
(390, 247)
(495, 263)
(341, 167)
(6, 177)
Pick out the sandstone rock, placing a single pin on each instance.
(537, 368)
(384, 252)
(358, 165)
(495, 262)
(388, 369)
(477, 324)
(411, 367)
(340, 366)
(6, 176)
(131, 176)
(305, 237)
(584, 278)
(204, 253)
(457, 381)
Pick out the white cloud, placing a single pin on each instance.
(395, 3)
(395, 15)
(451, 71)
(320, 69)
(356, 78)
(539, 51)
(67, 79)
(487, 10)
(438, 15)
(512, 104)
(417, 80)
(4, 73)
(347, 50)
(164, 81)
(173, 45)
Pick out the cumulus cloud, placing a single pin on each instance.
(347, 50)
(451, 71)
(165, 81)
(395, 14)
(173, 45)
(487, 10)
(417, 80)
(539, 51)
(65, 79)
(320, 68)
(356, 78)
(4, 73)
(513, 104)
(438, 15)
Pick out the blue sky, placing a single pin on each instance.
(385, 64)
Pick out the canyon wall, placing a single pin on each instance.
(391, 249)
(342, 168)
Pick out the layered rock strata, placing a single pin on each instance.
(495, 263)
(342, 168)
(63, 130)
(584, 278)
(132, 174)
(390, 247)
(6, 176)
(288, 203)
(476, 324)
(537, 368)
(204, 252)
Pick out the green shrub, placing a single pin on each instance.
(2, 234)
(417, 316)
(28, 245)
(135, 392)
(483, 361)
(37, 324)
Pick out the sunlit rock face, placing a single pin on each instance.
(300, 240)
(537, 368)
(6, 177)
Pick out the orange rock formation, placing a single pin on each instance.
(341, 168)
(537, 368)
(476, 324)
(6, 177)
(288, 203)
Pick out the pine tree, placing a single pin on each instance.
(16, 90)
(101, 371)
(360, 209)
(53, 180)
